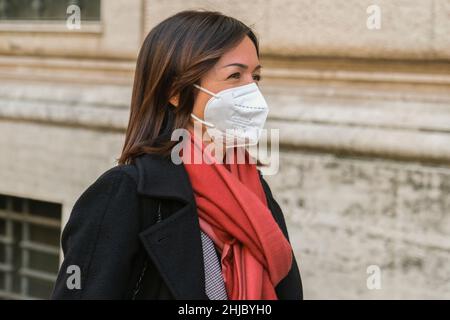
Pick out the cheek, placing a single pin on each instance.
(199, 105)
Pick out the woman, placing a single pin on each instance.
(150, 228)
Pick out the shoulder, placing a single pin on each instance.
(101, 235)
(274, 207)
(120, 172)
(108, 196)
(109, 183)
(265, 186)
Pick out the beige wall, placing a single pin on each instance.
(118, 35)
(329, 28)
(363, 117)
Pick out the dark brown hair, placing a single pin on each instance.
(174, 56)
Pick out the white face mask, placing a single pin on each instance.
(236, 114)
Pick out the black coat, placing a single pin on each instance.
(123, 249)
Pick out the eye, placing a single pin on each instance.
(235, 75)
(257, 77)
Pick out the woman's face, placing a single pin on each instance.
(237, 67)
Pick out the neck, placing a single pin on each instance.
(206, 139)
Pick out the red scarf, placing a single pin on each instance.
(233, 212)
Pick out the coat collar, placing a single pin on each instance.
(174, 244)
(159, 177)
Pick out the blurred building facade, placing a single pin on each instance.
(363, 113)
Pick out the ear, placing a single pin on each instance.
(174, 100)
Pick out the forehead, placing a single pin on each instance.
(244, 53)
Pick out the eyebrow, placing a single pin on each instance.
(243, 66)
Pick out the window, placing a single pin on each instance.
(47, 9)
(29, 247)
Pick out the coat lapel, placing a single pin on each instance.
(174, 244)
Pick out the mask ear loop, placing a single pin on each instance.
(208, 124)
(207, 91)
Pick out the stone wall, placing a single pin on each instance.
(364, 119)
(348, 213)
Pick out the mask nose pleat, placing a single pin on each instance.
(243, 108)
(248, 91)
